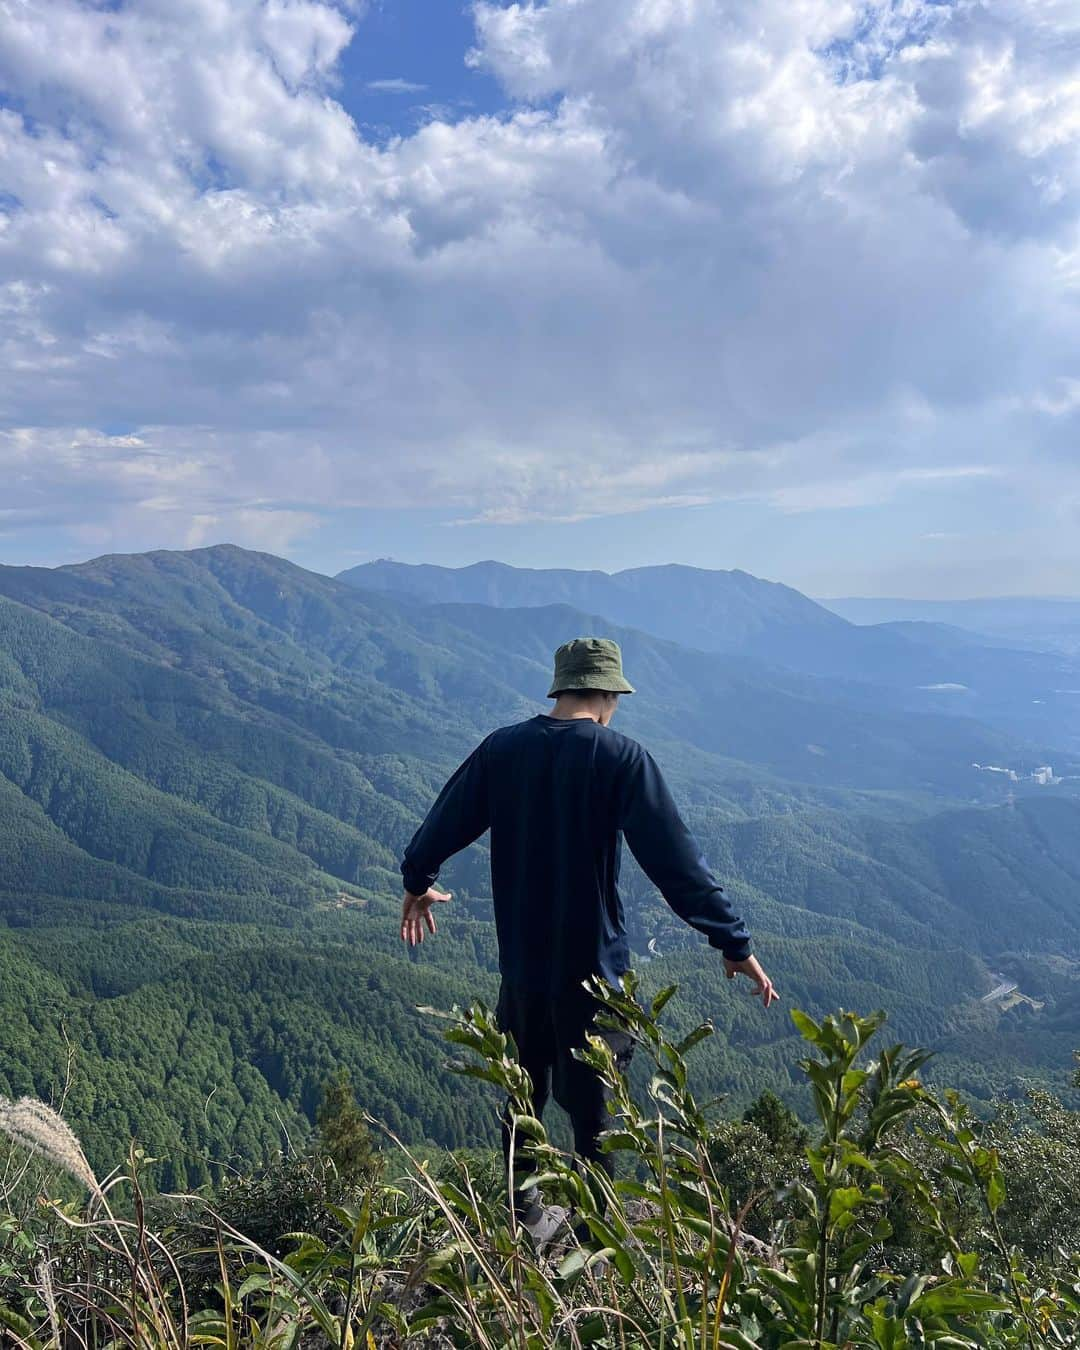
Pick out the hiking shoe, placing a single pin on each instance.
(550, 1225)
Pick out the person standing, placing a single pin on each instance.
(559, 792)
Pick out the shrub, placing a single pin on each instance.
(890, 1225)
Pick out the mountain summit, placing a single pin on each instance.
(700, 608)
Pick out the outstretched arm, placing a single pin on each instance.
(670, 858)
(459, 816)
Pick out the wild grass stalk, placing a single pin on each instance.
(437, 1258)
(39, 1129)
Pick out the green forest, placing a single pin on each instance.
(217, 756)
(227, 1112)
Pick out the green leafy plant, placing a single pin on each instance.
(661, 1257)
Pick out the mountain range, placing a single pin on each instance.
(1044, 623)
(210, 761)
(915, 666)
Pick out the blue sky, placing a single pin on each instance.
(420, 43)
(598, 283)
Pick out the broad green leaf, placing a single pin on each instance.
(660, 1001)
(807, 1028)
(843, 1200)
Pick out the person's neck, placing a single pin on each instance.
(574, 710)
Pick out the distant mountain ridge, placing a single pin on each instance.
(426, 677)
(692, 605)
(926, 667)
(1046, 622)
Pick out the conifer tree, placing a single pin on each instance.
(343, 1133)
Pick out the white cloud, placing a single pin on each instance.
(817, 253)
(395, 85)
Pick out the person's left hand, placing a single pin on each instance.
(416, 914)
(763, 986)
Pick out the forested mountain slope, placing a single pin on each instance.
(701, 608)
(1029, 693)
(209, 764)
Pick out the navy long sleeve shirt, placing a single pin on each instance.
(558, 796)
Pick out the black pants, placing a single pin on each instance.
(546, 1029)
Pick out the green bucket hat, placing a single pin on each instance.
(589, 663)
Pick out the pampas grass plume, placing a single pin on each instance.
(39, 1128)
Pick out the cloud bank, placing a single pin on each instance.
(804, 251)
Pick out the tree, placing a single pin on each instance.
(343, 1132)
(778, 1123)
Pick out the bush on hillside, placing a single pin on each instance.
(900, 1221)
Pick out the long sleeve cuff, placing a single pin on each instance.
(416, 883)
(732, 951)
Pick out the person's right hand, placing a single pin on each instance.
(763, 986)
(416, 914)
